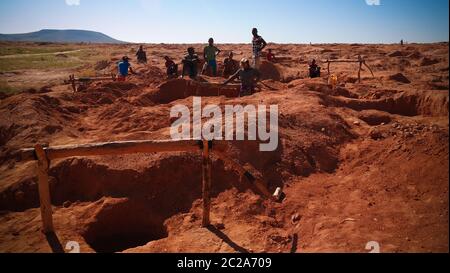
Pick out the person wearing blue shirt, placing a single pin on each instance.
(124, 66)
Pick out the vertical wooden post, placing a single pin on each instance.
(359, 72)
(360, 68)
(206, 177)
(328, 68)
(72, 81)
(44, 190)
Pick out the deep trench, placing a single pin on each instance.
(138, 202)
(124, 224)
(135, 203)
(429, 103)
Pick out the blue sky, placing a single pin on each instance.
(282, 21)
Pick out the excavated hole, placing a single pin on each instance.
(427, 103)
(132, 204)
(137, 202)
(124, 224)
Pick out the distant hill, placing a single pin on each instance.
(60, 36)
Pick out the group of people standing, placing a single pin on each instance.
(248, 74)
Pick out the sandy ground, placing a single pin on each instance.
(364, 162)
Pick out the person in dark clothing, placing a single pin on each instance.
(314, 70)
(249, 78)
(172, 68)
(190, 64)
(230, 66)
(141, 55)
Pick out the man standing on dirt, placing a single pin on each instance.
(249, 78)
(258, 45)
(124, 66)
(141, 55)
(210, 53)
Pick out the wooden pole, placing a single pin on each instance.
(360, 67)
(206, 177)
(361, 61)
(44, 190)
(370, 69)
(260, 185)
(359, 72)
(113, 148)
(328, 69)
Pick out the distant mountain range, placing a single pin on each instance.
(61, 36)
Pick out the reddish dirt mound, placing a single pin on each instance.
(106, 93)
(415, 55)
(396, 53)
(399, 77)
(269, 71)
(180, 89)
(427, 62)
(100, 65)
(151, 75)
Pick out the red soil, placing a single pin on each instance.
(365, 162)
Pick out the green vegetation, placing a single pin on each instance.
(86, 56)
(16, 50)
(79, 59)
(38, 62)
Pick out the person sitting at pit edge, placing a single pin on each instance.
(190, 64)
(248, 76)
(314, 70)
(124, 66)
(271, 56)
(172, 68)
(230, 66)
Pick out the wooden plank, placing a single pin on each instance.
(44, 190)
(206, 177)
(370, 69)
(93, 79)
(113, 148)
(341, 61)
(260, 185)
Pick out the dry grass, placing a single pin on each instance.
(21, 60)
(32, 48)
